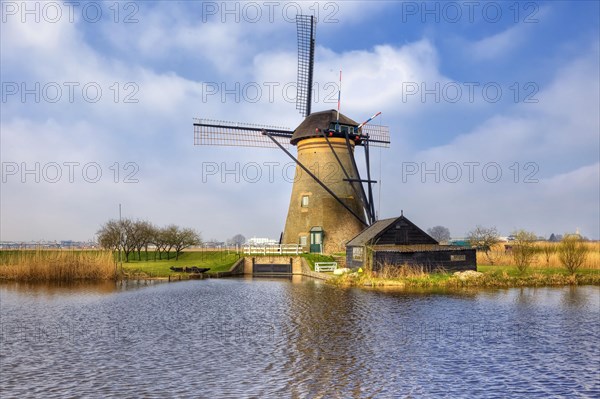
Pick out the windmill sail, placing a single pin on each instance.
(378, 136)
(221, 133)
(307, 26)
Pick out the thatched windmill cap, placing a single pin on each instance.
(318, 120)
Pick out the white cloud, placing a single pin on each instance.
(498, 45)
(560, 133)
(502, 44)
(547, 153)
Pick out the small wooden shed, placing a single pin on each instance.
(398, 241)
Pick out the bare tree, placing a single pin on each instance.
(524, 249)
(169, 236)
(109, 235)
(148, 232)
(484, 238)
(572, 252)
(159, 240)
(237, 239)
(128, 237)
(133, 236)
(185, 238)
(118, 235)
(439, 233)
(143, 235)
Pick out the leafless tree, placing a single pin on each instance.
(160, 239)
(484, 238)
(133, 236)
(237, 239)
(184, 238)
(118, 235)
(109, 235)
(128, 237)
(439, 233)
(143, 237)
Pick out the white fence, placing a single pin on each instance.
(278, 249)
(325, 266)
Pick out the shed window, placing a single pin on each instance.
(457, 258)
(357, 253)
(304, 201)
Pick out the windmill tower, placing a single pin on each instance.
(329, 203)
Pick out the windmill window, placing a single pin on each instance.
(303, 241)
(304, 201)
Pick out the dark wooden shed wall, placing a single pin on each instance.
(429, 260)
(397, 242)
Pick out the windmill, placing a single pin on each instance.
(329, 204)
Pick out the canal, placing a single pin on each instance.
(301, 338)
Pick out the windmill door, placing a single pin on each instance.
(316, 240)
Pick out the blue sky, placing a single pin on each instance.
(507, 136)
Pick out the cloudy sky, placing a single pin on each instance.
(492, 109)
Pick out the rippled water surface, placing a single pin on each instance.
(238, 338)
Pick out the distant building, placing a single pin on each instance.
(398, 241)
(213, 244)
(65, 244)
(260, 241)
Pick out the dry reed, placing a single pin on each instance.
(542, 259)
(390, 271)
(57, 265)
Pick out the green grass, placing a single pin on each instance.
(545, 271)
(312, 258)
(217, 261)
(493, 277)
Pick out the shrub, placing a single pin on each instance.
(548, 250)
(572, 252)
(524, 249)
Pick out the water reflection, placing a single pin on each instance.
(49, 291)
(296, 338)
(580, 299)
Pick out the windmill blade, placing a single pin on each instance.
(233, 134)
(306, 26)
(379, 136)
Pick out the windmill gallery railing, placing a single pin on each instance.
(276, 249)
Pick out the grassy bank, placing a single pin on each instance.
(311, 259)
(497, 268)
(488, 277)
(53, 265)
(217, 261)
(57, 265)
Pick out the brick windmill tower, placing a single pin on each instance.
(329, 203)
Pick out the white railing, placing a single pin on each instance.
(278, 249)
(325, 266)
